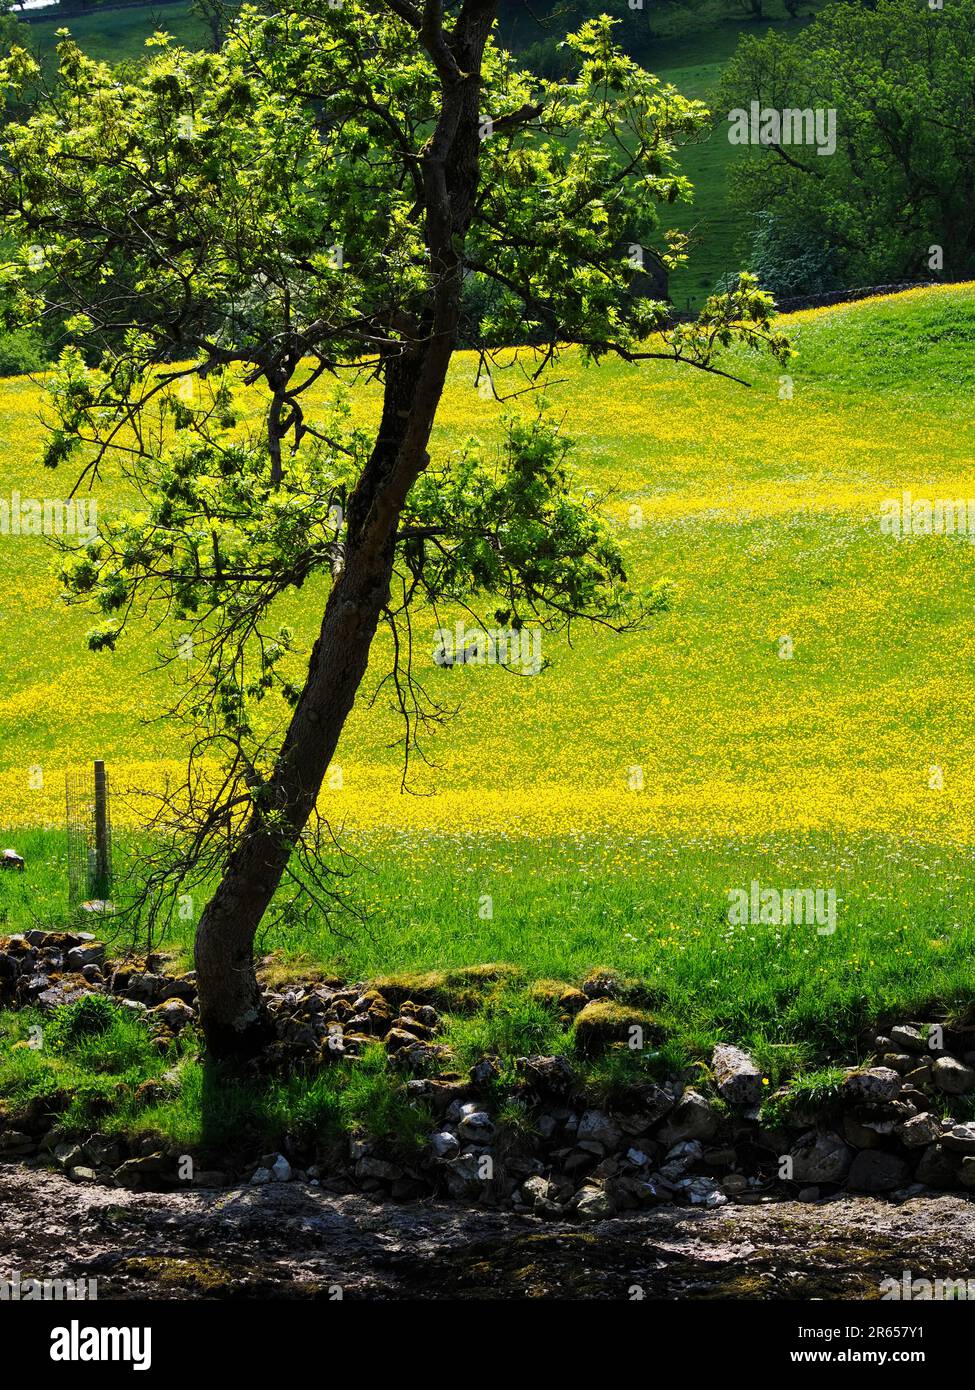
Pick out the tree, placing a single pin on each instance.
(901, 183)
(228, 231)
(215, 14)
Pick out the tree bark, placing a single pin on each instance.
(234, 1020)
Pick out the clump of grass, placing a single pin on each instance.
(813, 1091)
(510, 1023)
(82, 1064)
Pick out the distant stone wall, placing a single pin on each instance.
(821, 301)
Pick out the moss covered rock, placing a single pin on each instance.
(605, 1022)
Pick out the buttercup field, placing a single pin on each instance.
(487, 783)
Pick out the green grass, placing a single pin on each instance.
(811, 773)
(96, 1055)
(116, 36)
(653, 910)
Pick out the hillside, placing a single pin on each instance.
(765, 514)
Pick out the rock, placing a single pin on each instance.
(571, 1000)
(377, 1168)
(485, 1071)
(807, 1194)
(534, 1189)
(657, 1188)
(738, 1079)
(734, 1184)
(953, 1077)
(921, 1130)
(604, 1022)
(578, 1161)
(909, 1037)
(281, 1169)
(547, 1076)
(10, 859)
(12, 1142)
(174, 1014)
(966, 1174)
(693, 1117)
(960, 1138)
(80, 956)
(637, 1157)
(440, 1095)
(178, 987)
(871, 1086)
(938, 1167)
(599, 1128)
(444, 1144)
(593, 1204)
(702, 1192)
(68, 1155)
(260, 1177)
(103, 1151)
(144, 987)
(862, 1136)
(819, 1158)
(398, 1038)
(680, 1158)
(641, 1106)
(82, 1174)
(464, 1175)
(875, 1171)
(67, 991)
(476, 1127)
(901, 1062)
(602, 984)
(144, 1171)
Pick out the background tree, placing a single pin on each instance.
(902, 180)
(216, 15)
(227, 231)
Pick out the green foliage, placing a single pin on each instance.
(21, 352)
(508, 1024)
(811, 1091)
(789, 261)
(899, 76)
(254, 211)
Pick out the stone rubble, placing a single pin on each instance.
(653, 1142)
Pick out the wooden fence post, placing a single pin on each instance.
(102, 886)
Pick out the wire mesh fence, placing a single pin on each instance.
(89, 823)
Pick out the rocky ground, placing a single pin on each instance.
(291, 1241)
(715, 1134)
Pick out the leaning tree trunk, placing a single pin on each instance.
(233, 1017)
(234, 1020)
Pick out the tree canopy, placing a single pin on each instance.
(901, 78)
(221, 233)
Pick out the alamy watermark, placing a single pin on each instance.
(766, 125)
(783, 907)
(48, 516)
(20, 1288)
(908, 1289)
(463, 646)
(922, 516)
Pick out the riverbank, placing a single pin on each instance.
(298, 1242)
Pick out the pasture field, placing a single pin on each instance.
(800, 717)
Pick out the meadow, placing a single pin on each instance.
(798, 717)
